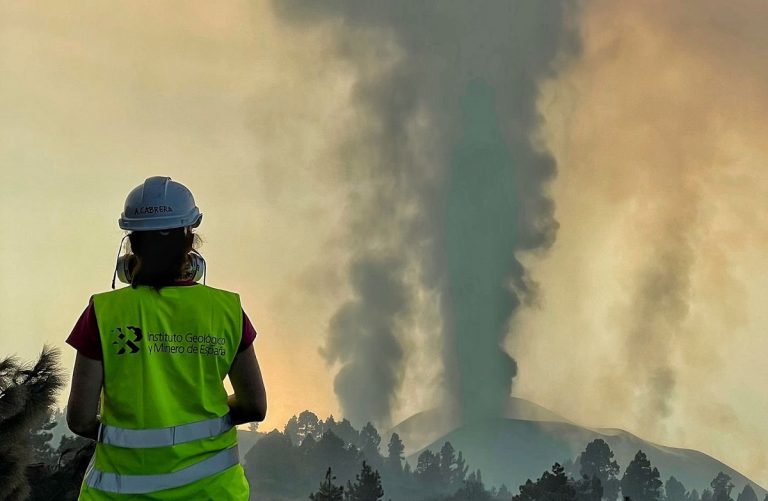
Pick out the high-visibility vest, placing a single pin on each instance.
(165, 430)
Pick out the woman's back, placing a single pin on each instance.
(152, 358)
(166, 353)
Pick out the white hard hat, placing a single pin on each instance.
(159, 204)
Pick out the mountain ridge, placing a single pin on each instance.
(529, 438)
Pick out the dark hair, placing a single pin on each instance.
(159, 256)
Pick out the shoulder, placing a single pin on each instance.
(222, 297)
(215, 291)
(101, 297)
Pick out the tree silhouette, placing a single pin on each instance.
(502, 494)
(428, 468)
(552, 486)
(693, 496)
(291, 430)
(61, 481)
(329, 424)
(641, 482)
(367, 486)
(447, 460)
(26, 398)
(721, 487)
(675, 490)
(588, 489)
(42, 451)
(328, 491)
(307, 445)
(395, 450)
(344, 430)
(369, 442)
(472, 490)
(453, 468)
(747, 494)
(272, 464)
(307, 425)
(597, 461)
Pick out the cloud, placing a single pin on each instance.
(648, 295)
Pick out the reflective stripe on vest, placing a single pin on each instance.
(164, 437)
(143, 484)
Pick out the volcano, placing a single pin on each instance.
(529, 439)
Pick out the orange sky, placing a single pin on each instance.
(658, 128)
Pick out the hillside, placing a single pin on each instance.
(530, 439)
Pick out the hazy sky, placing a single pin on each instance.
(650, 314)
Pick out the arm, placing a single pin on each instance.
(249, 403)
(83, 405)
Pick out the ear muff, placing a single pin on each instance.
(123, 268)
(194, 269)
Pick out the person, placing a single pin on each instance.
(151, 359)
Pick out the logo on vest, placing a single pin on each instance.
(186, 344)
(124, 343)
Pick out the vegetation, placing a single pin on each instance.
(641, 481)
(287, 465)
(597, 462)
(27, 395)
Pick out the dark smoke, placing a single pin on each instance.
(363, 338)
(449, 93)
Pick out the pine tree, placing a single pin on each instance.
(473, 489)
(367, 486)
(554, 486)
(291, 430)
(328, 491)
(273, 463)
(330, 424)
(460, 470)
(721, 487)
(588, 489)
(345, 431)
(40, 440)
(307, 424)
(369, 444)
(747, 494)
(307, 445)
(675, 490)
(597, 461)
(395, 450)
(428, 468)
(641, 482)
(504, 494)
(26, 398)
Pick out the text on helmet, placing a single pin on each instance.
(152, 209)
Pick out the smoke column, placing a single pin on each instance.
(448, 185)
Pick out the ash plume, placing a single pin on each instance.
(660, 305)
(454, 185)
(363, 338)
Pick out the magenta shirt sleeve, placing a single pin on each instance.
(85, 335)
(249, 334)
(86, 340)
